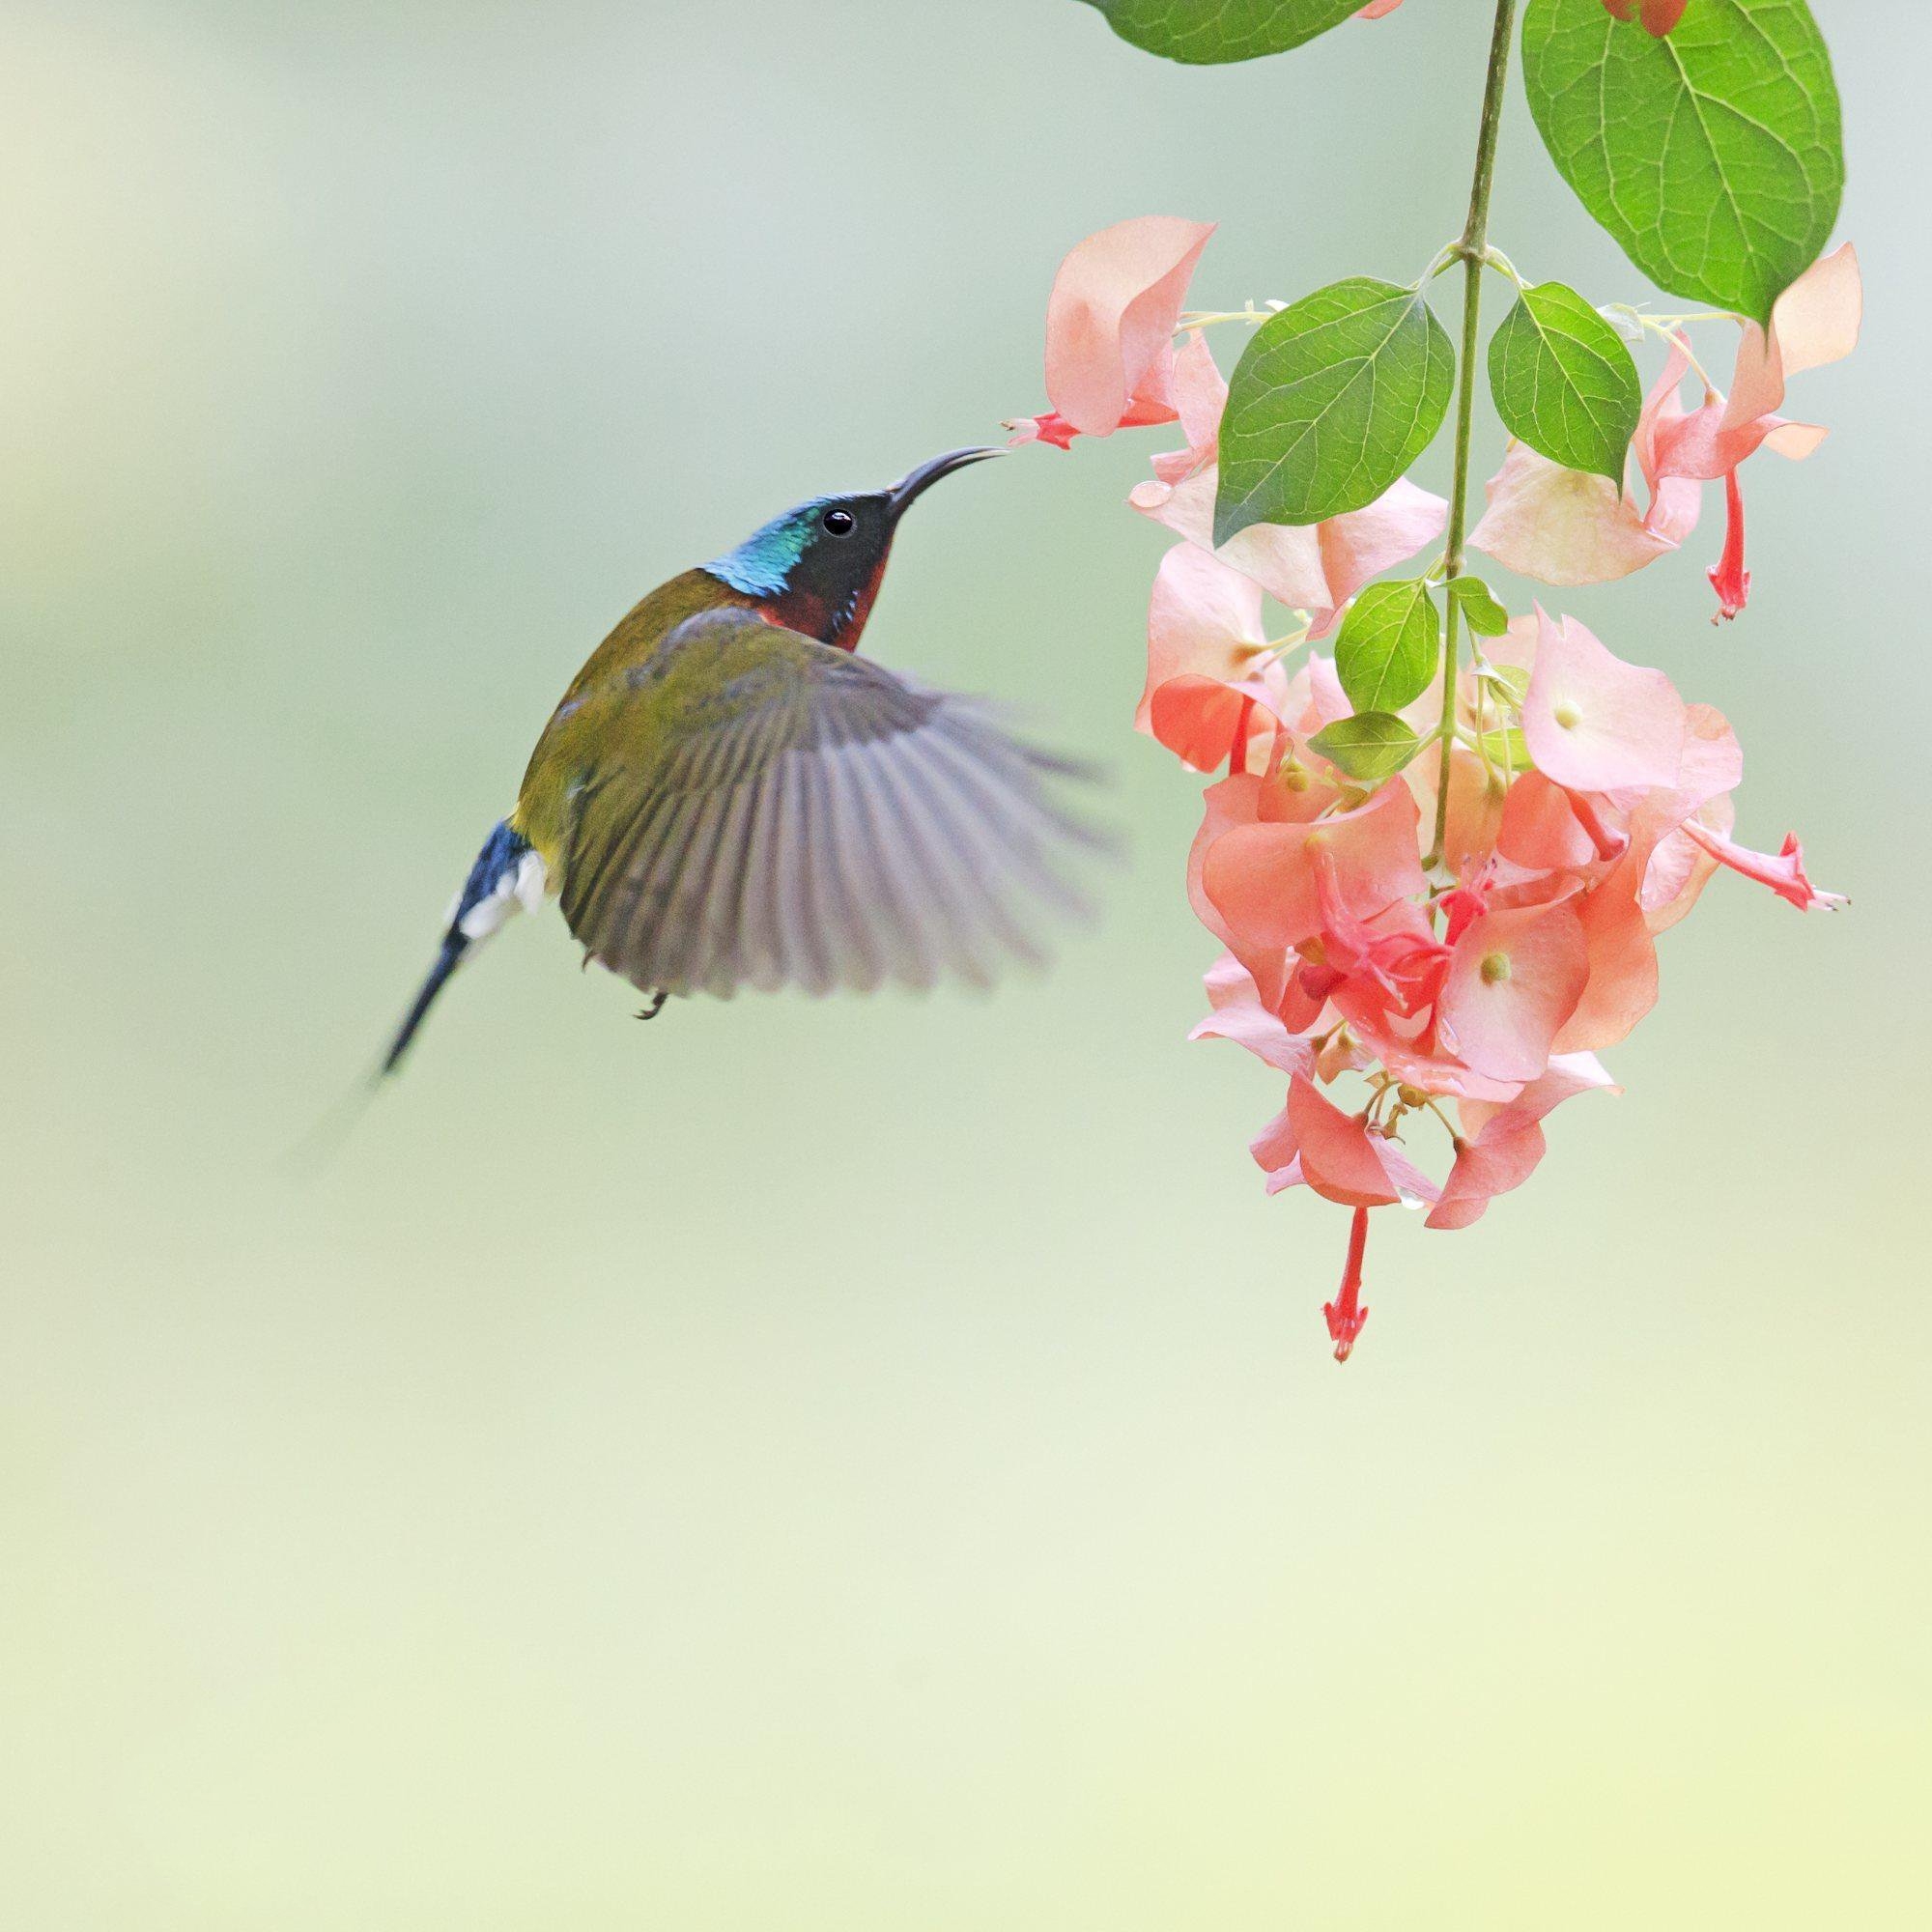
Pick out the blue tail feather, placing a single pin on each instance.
(454, 947)
(486, 899)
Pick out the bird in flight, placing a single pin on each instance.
(727, 795)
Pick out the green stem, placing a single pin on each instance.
(1475, 240)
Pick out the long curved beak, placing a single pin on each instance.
(916, 482)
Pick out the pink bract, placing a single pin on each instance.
(1110, 323)
(1207, 667)
(1594, 723)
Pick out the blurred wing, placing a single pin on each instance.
(812, 820)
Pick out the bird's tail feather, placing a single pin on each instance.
(454, 947)
(508, 875)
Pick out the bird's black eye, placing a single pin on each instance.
(839, 522)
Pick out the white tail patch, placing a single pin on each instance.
(518, 888)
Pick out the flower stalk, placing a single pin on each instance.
(1472, 250)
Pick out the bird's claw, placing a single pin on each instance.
(656, 1006)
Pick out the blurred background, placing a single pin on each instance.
(866, 1465)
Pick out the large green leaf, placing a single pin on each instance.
(1331, 401)
(1564, 380)
(1206, 31)
(1390, 644)
(1713, 155)
(1370, 746)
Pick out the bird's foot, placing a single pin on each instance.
(656, 1006)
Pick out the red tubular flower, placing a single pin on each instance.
(1782, 870)
(1344, 1315)
(1054, 429)
(1729, 578)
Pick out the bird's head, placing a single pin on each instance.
(816, 569)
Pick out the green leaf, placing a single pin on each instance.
(1481, 611)
(1330, 402)
(1713, 155)
(1507, 748)
(1206, 31)
(1564, 383)
(1390, 644)
(1370, 746)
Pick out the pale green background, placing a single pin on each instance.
(866, 1465)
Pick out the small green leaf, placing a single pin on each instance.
(1390, 644)
(1330, 402)
(1713, 155)
(1480, 610)
(1507, 747)
(1370, 746)
(1206, 31)
(1564, 380)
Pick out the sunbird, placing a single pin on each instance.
(727, 795)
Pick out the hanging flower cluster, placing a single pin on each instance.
(1437, 907)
